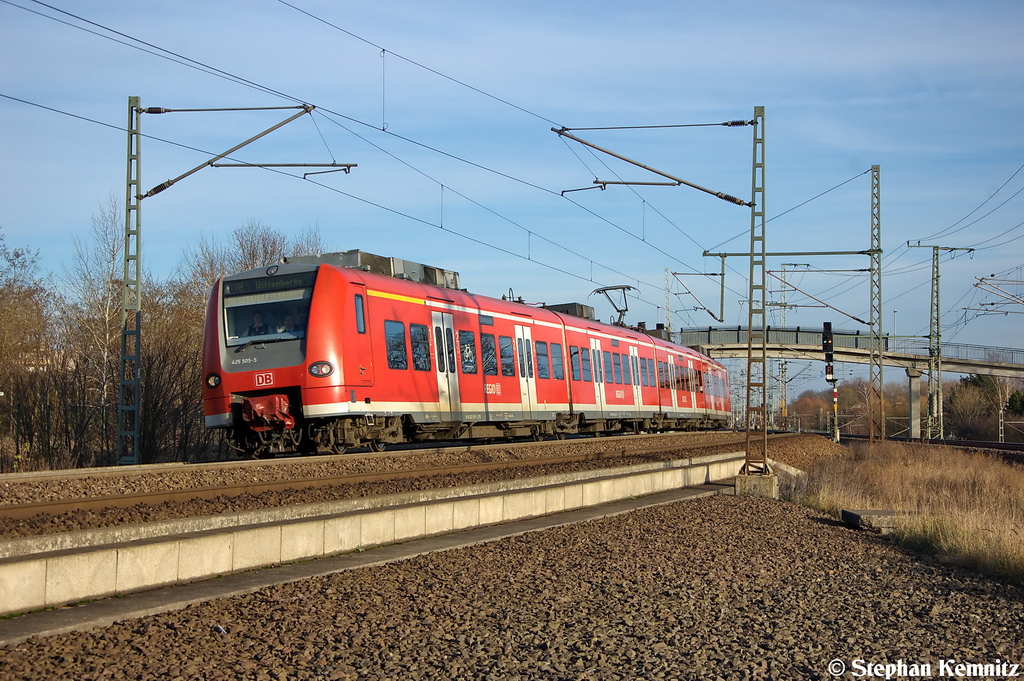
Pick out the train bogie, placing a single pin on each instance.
(314, 356)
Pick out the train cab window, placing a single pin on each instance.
(508, 360)
(617, 362)
(608, 375)
(625, 370)
(543, 362)
(420, 336)
(585, 363)
(267, 309)
(467, 351)
(360, 315)
(394, 341)
(557, 370)
(574, 362)
(488, 354)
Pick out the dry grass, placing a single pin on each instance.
(965, 506)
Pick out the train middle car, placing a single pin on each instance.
(313, 356)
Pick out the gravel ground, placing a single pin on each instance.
(798, 451)
(722, 587)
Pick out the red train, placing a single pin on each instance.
(329, 352)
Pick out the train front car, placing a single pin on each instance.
(255, 351)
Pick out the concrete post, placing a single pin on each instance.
(914, 403)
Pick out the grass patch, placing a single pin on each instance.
(964, 506)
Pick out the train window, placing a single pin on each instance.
(525, 359)
(625, 370)
(529, 360)
(608, 375)
(508, 360)
(467, 350)
(598, 374)
(449, 336)
(488, 354)
(662, 381)
(486, 320)
(439, 348)
(557, 371)
(543, 364)
(615, 343)
(420, 336)
(522, 361)
(636, 370)
(394, 340)
(643, 372)
(272, 315)
(700, 382)
(585, 363)
(617, 362)
(360, 315)
(574, 362)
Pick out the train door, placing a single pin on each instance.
(527, 380)
(358, 354)
(599, 378)
(634, 361)
(449, 403)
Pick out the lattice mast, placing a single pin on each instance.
(756, 461)
(876, 403)
(131, 308)
(934, 426)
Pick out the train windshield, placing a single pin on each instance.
(267, 309)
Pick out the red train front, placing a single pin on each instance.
(335, 351)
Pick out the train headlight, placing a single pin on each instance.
(212, 381)
(321, 369)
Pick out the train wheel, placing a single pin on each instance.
(338, 448)
(375, 445)
(559, 435)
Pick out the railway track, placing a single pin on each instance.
(119, 501)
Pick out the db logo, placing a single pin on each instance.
(264, 379)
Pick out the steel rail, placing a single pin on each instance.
(21, 511)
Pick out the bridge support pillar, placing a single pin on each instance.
(914, 403)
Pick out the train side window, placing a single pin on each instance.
(543, 363)
(420, 336)
(439, 348)
(557, 370)
(585, 362)
(625, 371)
(617, 361)
(394, 337)
(700, 381)
(507, 348)
(488, 354)
(608, 375)
(598, 374)
(643, 372)
(636, 370)
(467, 350)
(574, 362)
(522, 361)
(529, 360)
(360, 315)
(662, 381)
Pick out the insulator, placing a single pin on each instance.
(733, 124)
(155, 110)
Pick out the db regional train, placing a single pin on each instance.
(323, 353)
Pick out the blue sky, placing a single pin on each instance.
(929, 91)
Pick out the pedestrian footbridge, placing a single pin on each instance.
(908, 352)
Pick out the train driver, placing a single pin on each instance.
(258, 328)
